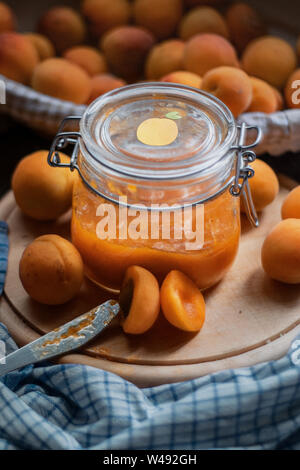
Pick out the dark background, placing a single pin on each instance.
(16, 141)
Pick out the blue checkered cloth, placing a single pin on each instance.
(79, 407)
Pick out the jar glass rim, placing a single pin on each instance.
(100, 111)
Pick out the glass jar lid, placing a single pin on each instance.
(158, 131)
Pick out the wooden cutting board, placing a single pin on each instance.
(250, 318)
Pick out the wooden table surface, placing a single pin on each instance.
(17, 141)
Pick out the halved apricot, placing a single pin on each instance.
(182, 302)
(139, 300)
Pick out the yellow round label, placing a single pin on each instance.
(157, 132)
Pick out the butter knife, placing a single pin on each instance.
(64, 339)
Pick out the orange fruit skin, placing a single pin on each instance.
(264, 185)
(42, 192)
(291, 205)
(281, 252)
(51, 270)
(182, 302)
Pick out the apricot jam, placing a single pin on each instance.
(160, 166)
(107, 260)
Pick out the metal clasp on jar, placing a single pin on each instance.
(238, 185)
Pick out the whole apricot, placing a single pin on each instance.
(194, 3)
(184, 78)
(270, 58)
(202, 20)
(230, 85)
(164, 58)
(291, 205)
(42, 44)
(161, 17)
(51, 270)
(18, 57)
(61, 79)
(279, 99)
(182, 302)
(281, 252)
(264, 185)
(205, 52)
(88, 58)
(7, 18)
(103, 15)
(63, 26)
(264, 99)
(102, 84)
(244, 24)
(126, 49)
(42, 192)
(139, 300)
(292, 90)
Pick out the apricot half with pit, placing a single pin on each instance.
(182, 302)
(139, 300)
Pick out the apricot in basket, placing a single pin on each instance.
(164, 58)
(18, 57)
(230, 85)
(88, 58)
(42, 44)
(61, 79)
(7, 18)
(161, 17)
(63, 26)
(184, 78)
(104, 15)
(202, 20)
(244, 24)
(139, 300)
(291, 91)
(270, 58)
(264, 97)
(182, 302)
(205, 52)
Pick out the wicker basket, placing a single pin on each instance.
(281, 130)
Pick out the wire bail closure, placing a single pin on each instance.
(238, 184)
(244, 172)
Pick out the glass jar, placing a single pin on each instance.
(160, 168)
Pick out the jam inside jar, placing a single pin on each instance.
(160, 166)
